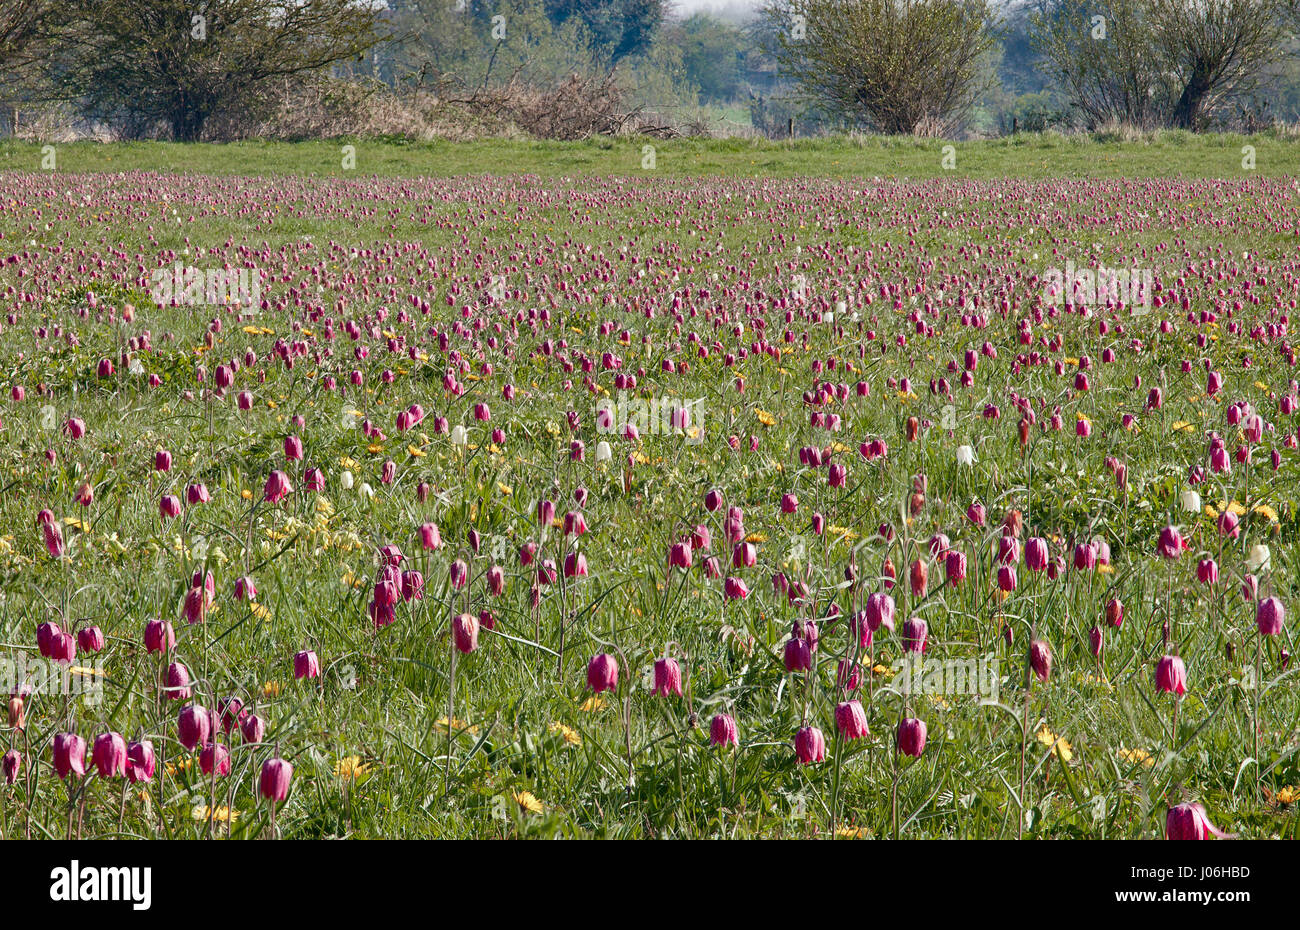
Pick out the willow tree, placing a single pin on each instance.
(894, 66)
(141, 63)
(1158, 62)
(1218, 49)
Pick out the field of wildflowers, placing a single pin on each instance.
(495, 505)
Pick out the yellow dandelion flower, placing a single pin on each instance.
(1266, 511)
(459, 726)
(352, 580)
(1236, 507)
(221, 814)
(851, 833)
(568, 734)
(528, 801)
(593, 703)
(272, 689)
(260, 611)
(416, 451)
(183, 766)
(350, 768)
(1137, 757)
(755, 538)
(1058, 744)
(765, 418)
(1288, 795)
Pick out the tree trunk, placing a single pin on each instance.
(187, 125)
(1188, 109)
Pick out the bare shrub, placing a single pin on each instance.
(327, 108)
(578, 107)
(46, 121)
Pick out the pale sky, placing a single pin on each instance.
(687, 7)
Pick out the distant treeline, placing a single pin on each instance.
(221, 69)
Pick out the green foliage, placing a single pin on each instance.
(895, 66)
(620, 28)
(711, 55)
(467, 47)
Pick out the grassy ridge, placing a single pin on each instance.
(1164, 154)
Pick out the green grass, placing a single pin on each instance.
(1163, 154)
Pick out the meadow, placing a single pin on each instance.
(1043, 156)
(780, 490)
